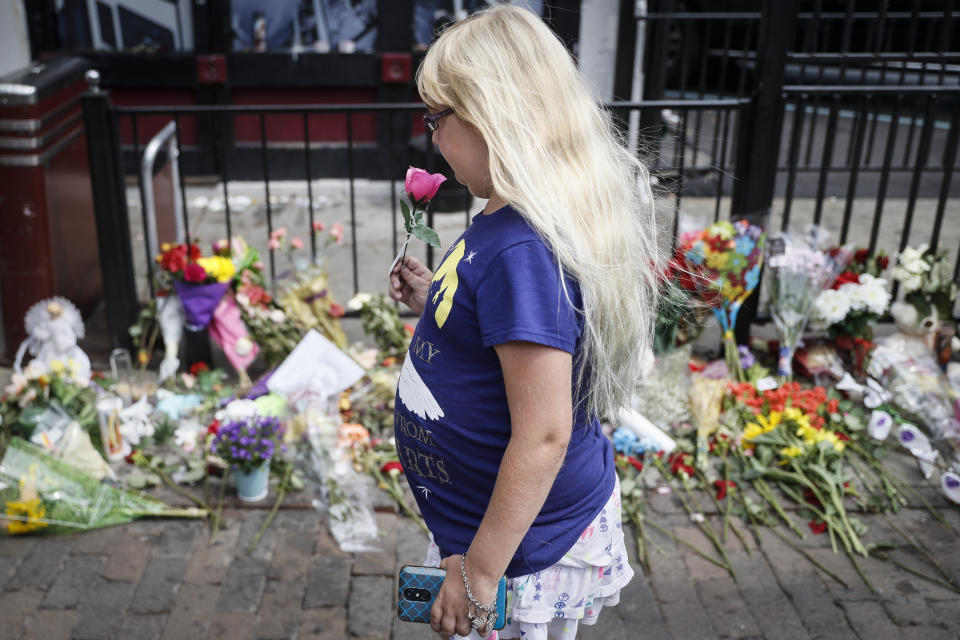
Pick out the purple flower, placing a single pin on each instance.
(747, 359)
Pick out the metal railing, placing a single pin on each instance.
(673, 162)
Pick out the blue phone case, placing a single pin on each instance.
(417, 588)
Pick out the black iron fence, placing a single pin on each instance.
(768, 118)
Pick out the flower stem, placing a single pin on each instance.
(281, 494)
(217, 518)
(692, 546)
(863, 576)
(919, 574)
(764, 491)
(919, 549)
(809, 557)
(704, 527)
(750, 518)
(643, 554)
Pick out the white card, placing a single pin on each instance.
(314, 371)
(400, 253)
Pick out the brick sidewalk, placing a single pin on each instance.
(164, 580)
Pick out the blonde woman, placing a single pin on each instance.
(529, 331)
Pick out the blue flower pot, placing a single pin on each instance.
(252, 487)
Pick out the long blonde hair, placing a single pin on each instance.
(555, 156)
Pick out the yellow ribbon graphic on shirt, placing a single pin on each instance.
(446, 277)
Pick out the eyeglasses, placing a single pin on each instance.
(430, 119)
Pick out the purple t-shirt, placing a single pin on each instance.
(498, 282)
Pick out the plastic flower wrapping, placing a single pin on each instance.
(910, 374)
(725, 261)
(41, 493)
(800, 272)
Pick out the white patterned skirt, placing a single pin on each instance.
(555, 601)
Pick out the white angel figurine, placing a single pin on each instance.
(53, 328)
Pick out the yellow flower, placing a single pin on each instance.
(791, 452)
(31, 510)
(56, 367)
(763, 424)
(218, 267)
(796, 415)
(717, 261)
(751, 431)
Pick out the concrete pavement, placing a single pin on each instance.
(165, 580)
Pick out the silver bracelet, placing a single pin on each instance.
(476, 620)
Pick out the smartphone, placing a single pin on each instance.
(418, 587)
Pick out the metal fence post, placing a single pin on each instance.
(110, 211)
(758, 136)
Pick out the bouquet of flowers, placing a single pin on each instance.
(382, 323)
(248, 443)
(303, 293)
(200, 282)
(850, 308)
(927, 281)
(44, 494)
(800, 273)
(679, 318)
(725, 261)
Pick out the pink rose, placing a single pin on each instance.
(273, 244)
(194, 273)
(336, 232)
(422, 186)
(318, 226)
(278, 233)
(296, 243)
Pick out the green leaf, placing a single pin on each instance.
(426, 234)
(407, 220)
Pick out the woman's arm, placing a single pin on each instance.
(410, 283)
(538, 382)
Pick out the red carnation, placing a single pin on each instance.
(845, 278)
(389, 467)
(194, 273)
(861, 255)
(198, 367)
(722, 486)
(213, 427)
(817, 526)
(882, 262)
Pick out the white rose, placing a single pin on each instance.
(243, 346)
(912, 259)
(356, 302)
(831, 306)
(874, 295)
(853, 292)
(278, 316)
(908, 280)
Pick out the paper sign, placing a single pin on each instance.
(313, 372)
(403, 248)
